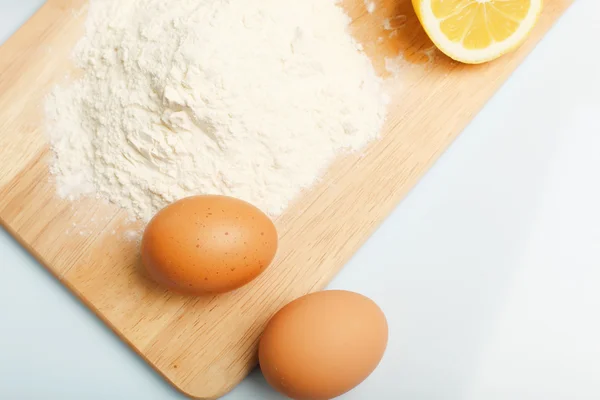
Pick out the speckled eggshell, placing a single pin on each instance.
(208, 244)
(323, 344)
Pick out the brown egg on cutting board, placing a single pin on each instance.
(323, 344)
(208, 244)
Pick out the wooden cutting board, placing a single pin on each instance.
(205, 346)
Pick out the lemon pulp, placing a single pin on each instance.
(477, 30)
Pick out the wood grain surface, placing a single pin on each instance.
(205, 346)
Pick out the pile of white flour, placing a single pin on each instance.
(251, 99)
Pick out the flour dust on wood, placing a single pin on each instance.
(251, 99)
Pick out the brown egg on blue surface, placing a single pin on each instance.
(322, 345)
(208, 244)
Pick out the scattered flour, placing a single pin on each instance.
(395, 66)
(131, 235)
(395, 23)
(183, 97)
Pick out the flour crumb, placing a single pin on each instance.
(131, 235)
(183, 97)
(371, 6)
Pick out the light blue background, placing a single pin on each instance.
(488, 271)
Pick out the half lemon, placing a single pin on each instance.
(476, 31)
